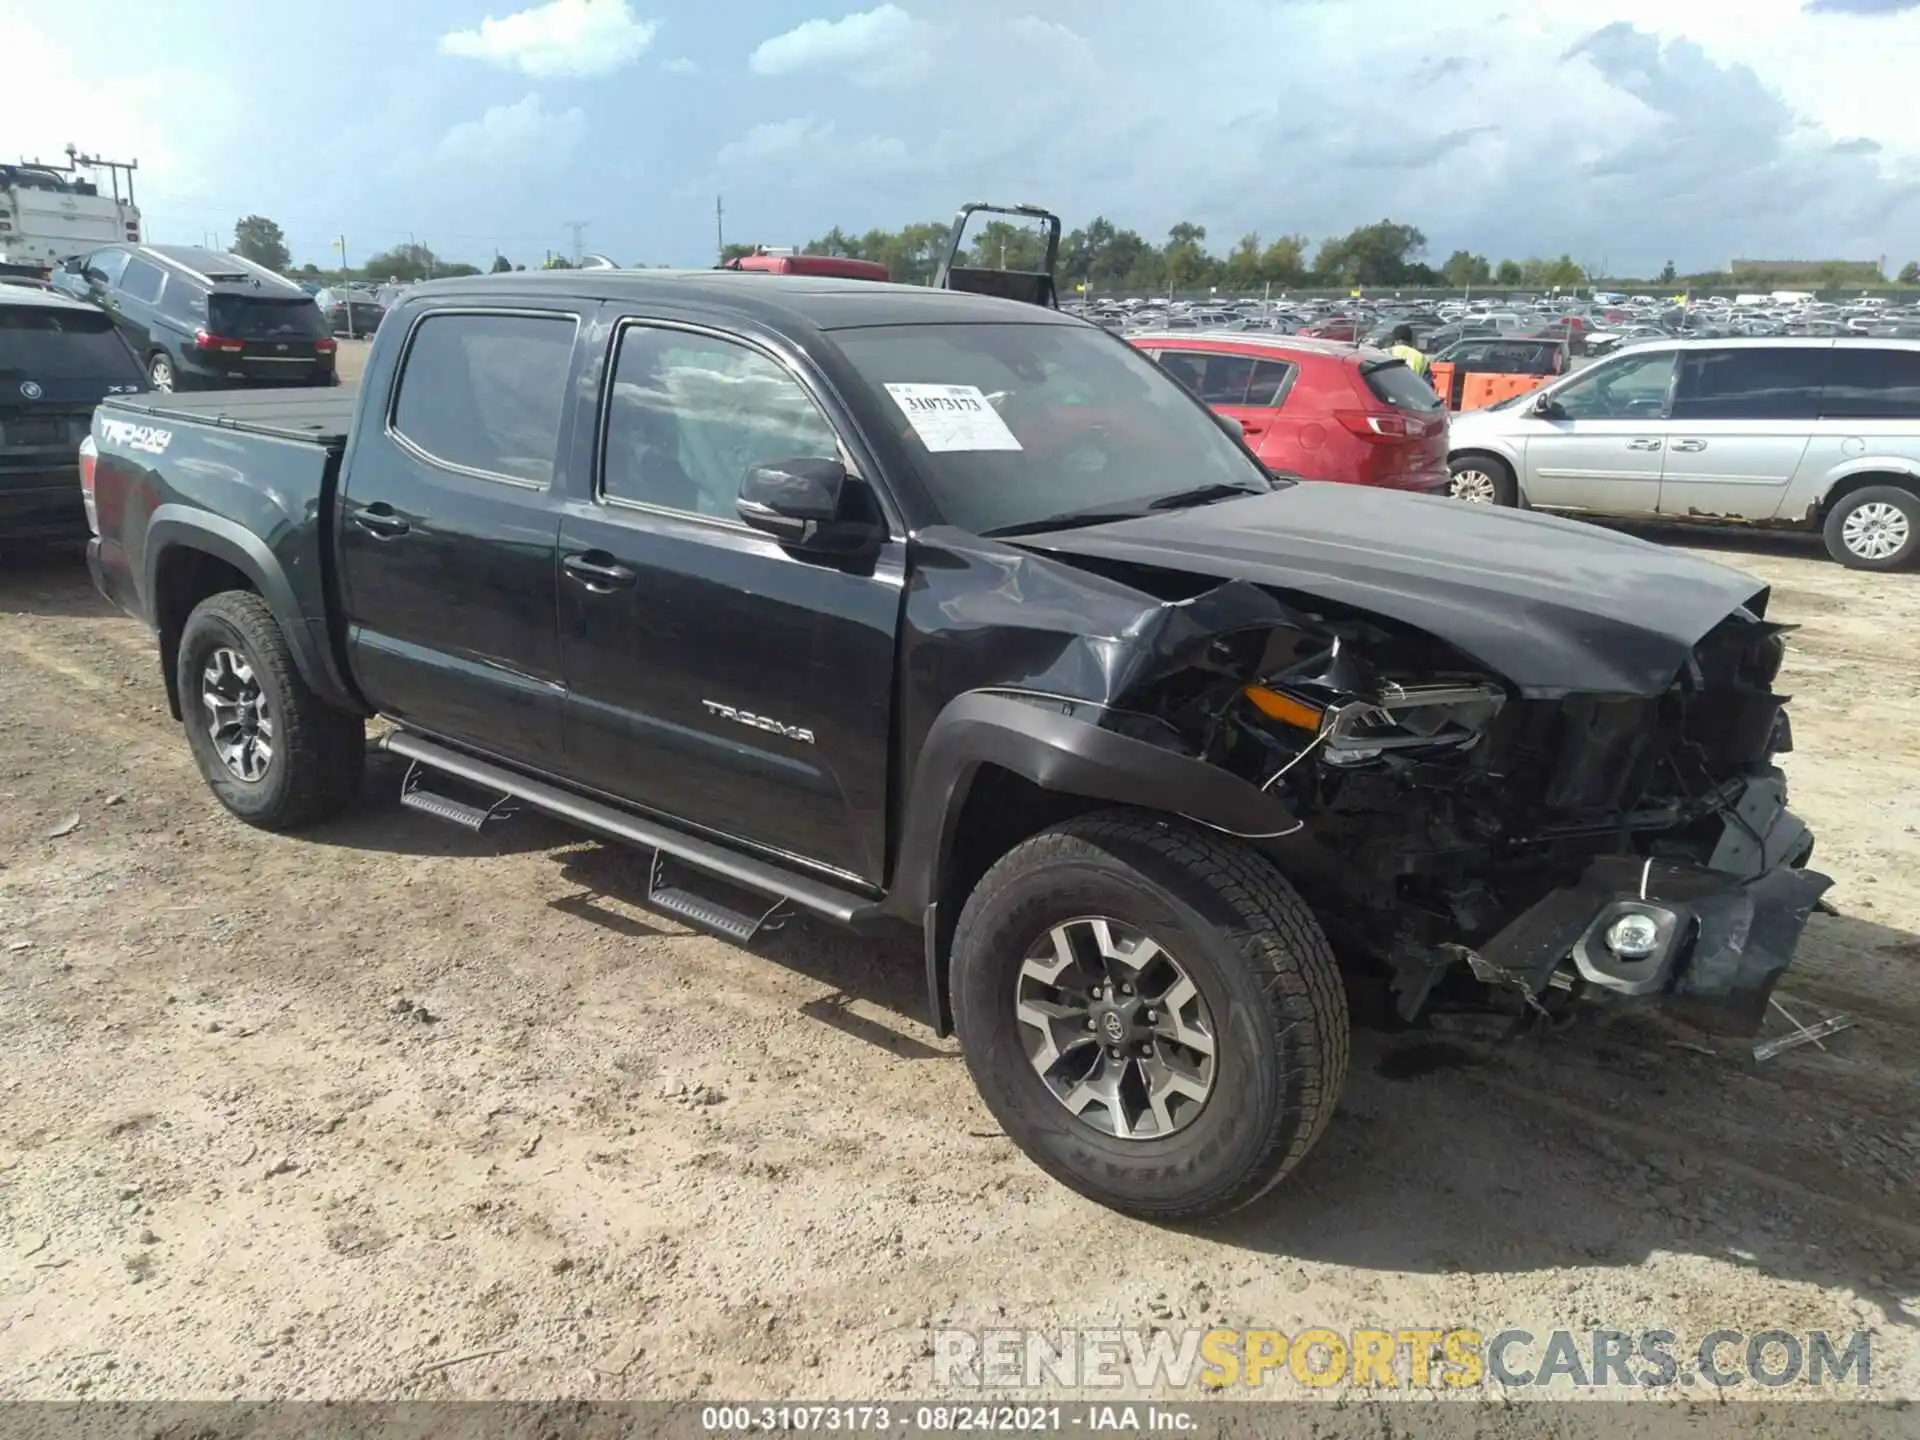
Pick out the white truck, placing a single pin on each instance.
(49, 212)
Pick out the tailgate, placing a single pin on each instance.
(270, 338)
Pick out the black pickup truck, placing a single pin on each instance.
(907, 608)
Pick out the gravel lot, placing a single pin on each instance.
(314, 1116)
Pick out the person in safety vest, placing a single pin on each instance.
(1405, 349)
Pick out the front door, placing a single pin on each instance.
(1602, 446)
(447, 525)
(1742, 420)
(713, 676)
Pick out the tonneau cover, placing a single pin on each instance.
(321, 415)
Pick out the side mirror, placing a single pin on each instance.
(800, 504)
(1547, 408)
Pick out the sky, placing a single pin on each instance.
(1625, 134)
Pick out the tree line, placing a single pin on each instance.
(1107, 258)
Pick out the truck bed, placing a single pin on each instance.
(321, 416)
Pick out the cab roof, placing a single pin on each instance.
(822, 302)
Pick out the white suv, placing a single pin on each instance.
(1814, 434)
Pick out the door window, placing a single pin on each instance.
(142, 281)
(486, 392)
(1631, 388)
(1219, 379)
(104, 266)
(690, 414)
(1870, 384)
(1761, 382)
(1272, 379)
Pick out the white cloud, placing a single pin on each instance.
(680, 65)
(876, 48)
(517, 136)
(804, 147)
(562, 37)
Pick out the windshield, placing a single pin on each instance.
(42, 343)
(1013, 425)
(248, 317)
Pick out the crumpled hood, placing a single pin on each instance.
(1555, 606)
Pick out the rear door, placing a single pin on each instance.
(138, 298)
(446, 529)
(1243, 387)
(270, 339)
(1741, 423)
(1602, 449)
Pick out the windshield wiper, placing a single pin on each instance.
(1070, 520)
(1204, 495)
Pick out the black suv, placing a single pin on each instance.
(204, 319)
(58, 358)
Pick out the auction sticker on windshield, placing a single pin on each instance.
(953, 417)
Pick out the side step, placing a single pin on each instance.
(709, 912)
(759, 878)
(445, 807)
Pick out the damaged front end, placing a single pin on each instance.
(1477, 845)
(1466, 838)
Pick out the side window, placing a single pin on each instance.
(1869, 384)
(1272, 379)
(142, 281)
(104, 267)
(1633, 387)
(1471, 357)
(1766, 382)
(1215, 378)
(486, 392)
(689, 414)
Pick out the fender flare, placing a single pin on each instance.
(184, 527)
(1033, 737)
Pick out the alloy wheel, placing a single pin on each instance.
(237, 715)
(1875, 530)
(1473, 485)
(160, 372)
(1115, 1028)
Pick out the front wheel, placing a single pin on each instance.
(1876, 528)
(272, 751)
(1151, 1012)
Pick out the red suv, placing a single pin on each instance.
(1316, 408)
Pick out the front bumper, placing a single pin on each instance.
(1722, 939)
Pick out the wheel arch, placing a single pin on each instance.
(191, 555)
(998, 767)
(1860, 476)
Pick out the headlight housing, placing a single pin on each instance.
(1354, 729)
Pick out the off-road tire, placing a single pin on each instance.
(1834, 532)
(1244, 937)
(319, 753)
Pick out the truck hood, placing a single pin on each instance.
(1556, 607)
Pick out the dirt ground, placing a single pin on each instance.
(315, 1116)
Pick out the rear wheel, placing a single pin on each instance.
(160, 372)
(1876, 528)
(1482, 480)
(1151, 1012)
(271, 750)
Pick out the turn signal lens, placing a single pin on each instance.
(1284, 708)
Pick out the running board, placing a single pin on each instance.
(445, 807)
(745, 872)
(710, 912)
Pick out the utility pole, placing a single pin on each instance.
(719, 231)
(579, 228)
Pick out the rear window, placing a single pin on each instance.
(1867, 384)
(1394, 384)
(486, 392)
(251, 317)
(40, 343)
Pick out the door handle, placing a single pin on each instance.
(597, 573)
(380, 520)
(1643, 444)
(1690, 446)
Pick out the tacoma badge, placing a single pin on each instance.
(759, 722)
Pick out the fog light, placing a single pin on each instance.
(1633, 937)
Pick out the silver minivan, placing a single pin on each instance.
(1813, 434)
